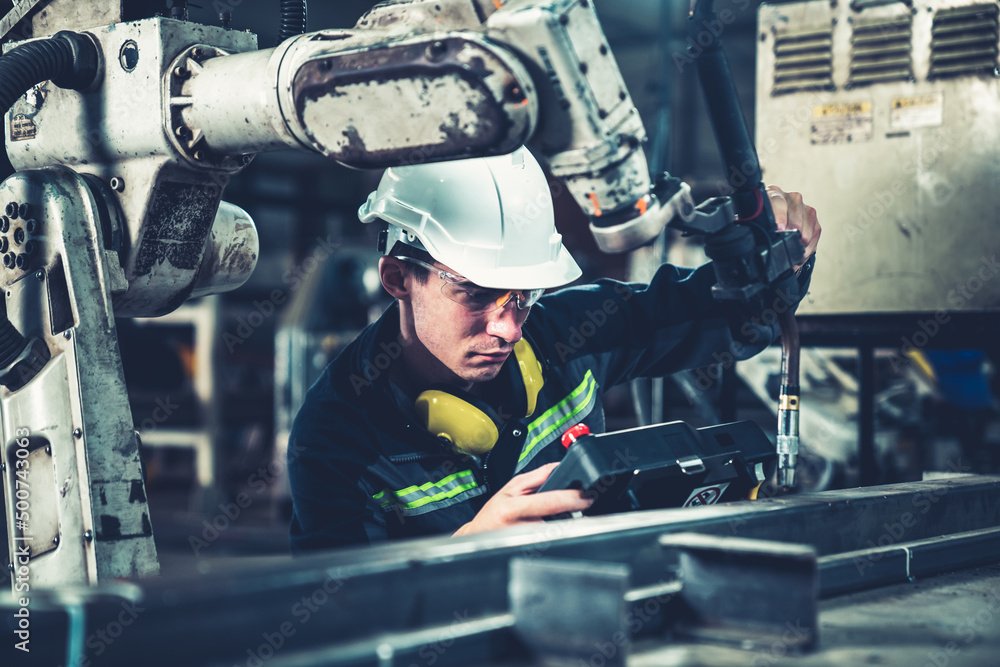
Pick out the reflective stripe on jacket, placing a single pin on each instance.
(362, 470)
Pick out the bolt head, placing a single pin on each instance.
(77, 433)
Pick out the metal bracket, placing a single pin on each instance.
(570, 610)
(747, 591)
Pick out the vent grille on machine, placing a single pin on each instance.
(964, 41)
(881, 50)
(803, 60)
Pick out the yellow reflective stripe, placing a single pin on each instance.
(378, 498)
(451, 493)
(420, 501)
(423, 487)
(589, 384)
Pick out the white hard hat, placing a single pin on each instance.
(489, 219)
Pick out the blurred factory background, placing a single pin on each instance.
(899, 331)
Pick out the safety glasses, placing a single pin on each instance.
(475, 298)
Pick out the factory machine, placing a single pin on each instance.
(124, 130)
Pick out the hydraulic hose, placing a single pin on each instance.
(69, 60)
(293, 19)
(728, 248)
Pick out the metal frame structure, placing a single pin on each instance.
(723, 573)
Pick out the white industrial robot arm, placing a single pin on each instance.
(116, 206)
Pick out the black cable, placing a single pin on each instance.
(68, 59)
(293, 19)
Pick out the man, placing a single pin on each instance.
(445, 416)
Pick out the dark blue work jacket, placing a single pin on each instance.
(362, 469)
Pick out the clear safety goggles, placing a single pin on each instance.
(475, 298)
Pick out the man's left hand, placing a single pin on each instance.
(790, 212)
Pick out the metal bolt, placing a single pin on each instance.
(516, 432)
(40, 274)
(29, 249)
(21, 261)
(10, 566)
(11, 209)
(48, 449)
(182, 72)
(601, 113)
(8, 261)
(117, 183)
(55, 540)
(31, 226)
(436, 50)
(67, 334)
(246, 159)
(128, 57)
(77, 433)
(583, 68)
(4, 244)
(19, 235)
(4, 224)
(89, 535)
(182, 132)
(197, 53)
(564, 19)
(23, 210)
(513, 93)
(198, 155)
(3, 466)
(604, 49)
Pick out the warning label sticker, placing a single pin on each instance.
(842, 123)
(908, 113)
(706, 495)
(22, 128)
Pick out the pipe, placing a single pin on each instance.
(68, 59)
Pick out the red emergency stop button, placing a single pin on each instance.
(573, 434)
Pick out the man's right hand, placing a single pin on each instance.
(516, 503)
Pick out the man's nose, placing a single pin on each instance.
(505, 322)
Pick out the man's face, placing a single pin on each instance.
(472, 345)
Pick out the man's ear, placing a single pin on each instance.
(390, 271)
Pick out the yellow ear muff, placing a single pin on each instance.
(470, 429)
(470, 425)
(531, 373)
